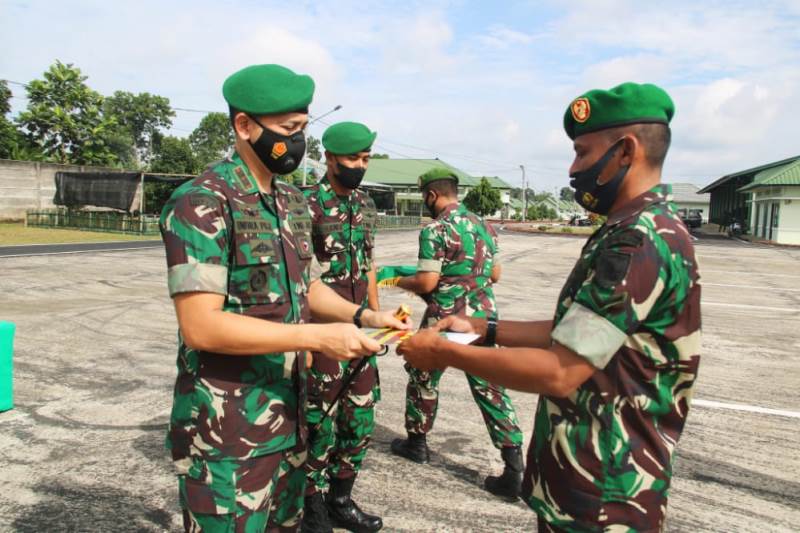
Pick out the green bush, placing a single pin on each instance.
(566, 229)
(543, 228)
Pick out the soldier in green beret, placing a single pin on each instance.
(239, 249)
(343, 231)
(457, 266)
(616, 365)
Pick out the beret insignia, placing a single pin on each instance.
(581, 110)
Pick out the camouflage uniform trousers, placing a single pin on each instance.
(263, 493)
(337, 448)
(422, 402)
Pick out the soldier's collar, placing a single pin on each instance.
(447, 210)
(243, 179)
(659, 194)
(325, 184)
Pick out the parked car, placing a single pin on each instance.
(578, 220)
(693, 218)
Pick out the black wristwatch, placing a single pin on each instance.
(491, 332)
(357, 316)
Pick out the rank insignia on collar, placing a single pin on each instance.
(581, 110)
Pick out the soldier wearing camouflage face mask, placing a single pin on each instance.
(343, 230)
(616, 366)
(239, 251)
(457, 265)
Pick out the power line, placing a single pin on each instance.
(189, 110)
(499, 166)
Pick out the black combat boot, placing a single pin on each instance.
(507, 485)
(315, 515)
(414, 448)
(345, 513)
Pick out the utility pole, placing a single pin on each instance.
(305, 151)
(524, 194)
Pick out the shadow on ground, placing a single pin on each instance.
(89, 508)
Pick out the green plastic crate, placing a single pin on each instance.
(6, 366)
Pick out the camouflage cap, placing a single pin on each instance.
(268, 89)
(348, 138)
(436, 174)
(628, 103)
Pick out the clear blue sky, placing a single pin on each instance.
(480, 85)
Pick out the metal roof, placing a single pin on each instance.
(687, 193)
(754, 170)
(788, 174)
(406, 172)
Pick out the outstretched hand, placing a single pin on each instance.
(385, 319)
(342, 341)
(462, 324)
(421, 350)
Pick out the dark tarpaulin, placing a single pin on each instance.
(101, 189)
(384, 199)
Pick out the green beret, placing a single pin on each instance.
(436, 174)
(267, 90)
(629, 103)
(348, 138)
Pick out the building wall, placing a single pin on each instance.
(30, 185)
(788, 231)
(789, 223)
(787, 200)
(728, 202)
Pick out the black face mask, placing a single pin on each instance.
(590, 194)
(349, 177)
(281, 154)
(431, 207)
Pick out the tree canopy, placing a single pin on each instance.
(483, 199)
(64, 118)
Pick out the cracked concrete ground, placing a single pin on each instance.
(94, 368)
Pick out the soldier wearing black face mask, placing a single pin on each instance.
(239, 251)
(343, 229)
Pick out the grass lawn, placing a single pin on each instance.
(15, 233)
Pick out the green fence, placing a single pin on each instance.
(105, 221)
(398, 222)
(115, 222)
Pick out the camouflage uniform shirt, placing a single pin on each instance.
(344, 235)
(601, 459)
(222, 235)
(462, 248)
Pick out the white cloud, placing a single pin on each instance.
(489, 84)
(502, 37)
(417, 44)
(639, 68)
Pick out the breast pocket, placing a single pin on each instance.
(328, 241)
(256, 274)
(365, 262)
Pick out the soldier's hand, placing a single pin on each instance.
(384, 319)
(345, 341)
(420, 350)
(463, 324)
